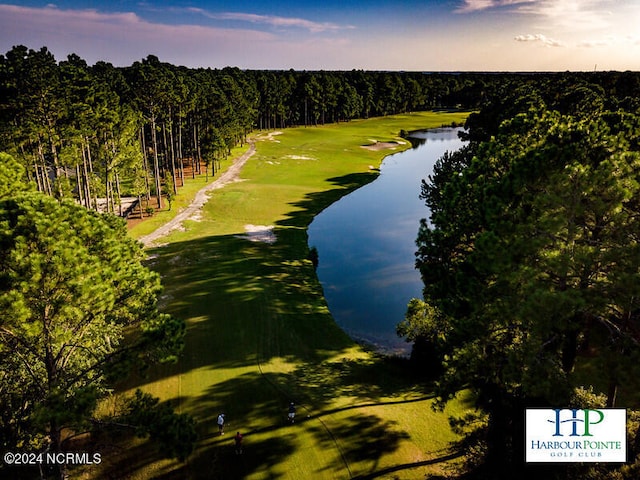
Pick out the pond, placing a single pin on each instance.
(366, 245)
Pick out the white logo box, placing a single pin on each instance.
(558, 435)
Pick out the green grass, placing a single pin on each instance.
(182, 199)
(260, 333)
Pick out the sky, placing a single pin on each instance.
(406, 35)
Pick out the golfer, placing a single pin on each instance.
(221, 424)
(238, 440)
(292, 412)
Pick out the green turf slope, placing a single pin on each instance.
(260, 333)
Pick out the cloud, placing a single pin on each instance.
(539, 38)
(571, 14)
(272, 20)
(123, 37)
(596, 43)
(478, 5)
(567, 14)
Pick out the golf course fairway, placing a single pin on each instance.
(260, 335)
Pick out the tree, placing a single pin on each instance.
(12, 176)
(78, 310)
(532, 257)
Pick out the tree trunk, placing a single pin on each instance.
(171, 156)
(145, 163)
(44, 170)
(612, 393)
(80, 186)
(90, 163)
(107, 185)
(199, 153)
(194, 153)
(156, 162)
(36, 169)
(118, 192)
(86, 182)
(180, 156)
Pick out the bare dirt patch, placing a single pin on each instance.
(268, 136)
(194, 209)
(259, 233)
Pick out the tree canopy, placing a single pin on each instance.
(530, 262)
(78, 310)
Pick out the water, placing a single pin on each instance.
(366, 245)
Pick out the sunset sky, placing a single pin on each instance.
(427, 35)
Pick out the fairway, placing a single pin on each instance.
(259, 333)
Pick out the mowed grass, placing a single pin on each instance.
(259, 333)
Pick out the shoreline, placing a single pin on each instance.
(259, 331)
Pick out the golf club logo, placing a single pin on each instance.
(555, 435)
(579, 418)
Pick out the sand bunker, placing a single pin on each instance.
(259, 233)
(377, 146)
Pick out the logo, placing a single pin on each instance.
(575, 435)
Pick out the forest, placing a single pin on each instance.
(529, 258)
(530, 266)
(104, 132)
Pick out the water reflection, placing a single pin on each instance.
(366, 244)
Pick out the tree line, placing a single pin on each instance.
(530, 261)
(104, 132)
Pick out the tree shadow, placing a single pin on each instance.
(247, 304)
(385, 472)
(212, 459)
(241, 278)
(243, 303)
(370, 379)
(222, 462)
(314, 203)
(358, 438)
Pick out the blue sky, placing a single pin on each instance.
(427, 35)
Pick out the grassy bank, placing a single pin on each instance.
(260, 333)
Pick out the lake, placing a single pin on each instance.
(366, 245)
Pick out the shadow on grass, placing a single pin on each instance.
(360, 437)
(314, 203)
(248, 304)
(385, 472)
(213, 459)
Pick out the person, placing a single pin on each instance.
(292, 412)
(238, 439)
(221, 424)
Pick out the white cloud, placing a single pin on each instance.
(539, 38)
(574, 15)
(272, 20)
(571, 15)
(122, 38)
(478, 5)
(603, 42)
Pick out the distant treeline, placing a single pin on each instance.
(105, 131)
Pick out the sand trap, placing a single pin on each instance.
(259, 233)
(377, 146)
(380, 146)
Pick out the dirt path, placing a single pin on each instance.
(231, 175)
